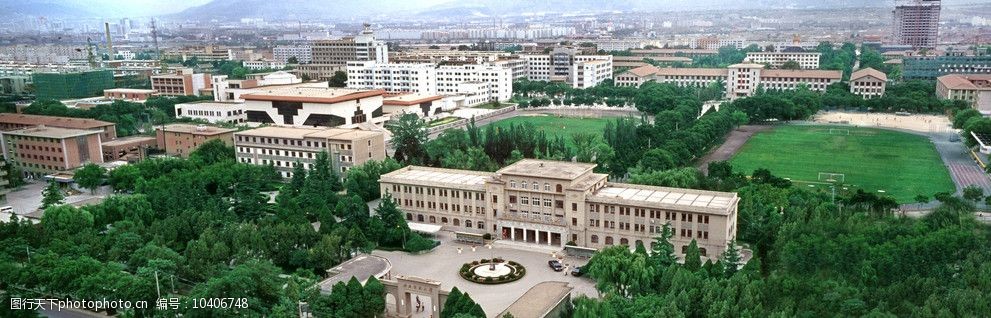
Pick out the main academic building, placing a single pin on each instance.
(553, 202)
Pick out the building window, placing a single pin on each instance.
(595, 239)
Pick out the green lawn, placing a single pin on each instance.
(900, 164)
(559, 126)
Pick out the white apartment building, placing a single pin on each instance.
(302, 52)
(868, 83)
(618, 44)
(393, 77)
(478, 83)
(806, 60)
(212, 112)
(491, 82)
(263, 64)
(565, 65)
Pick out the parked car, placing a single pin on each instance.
(555, 265)
(577, 271)
(7, 209)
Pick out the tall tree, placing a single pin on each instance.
(409, 133)
(693, 257)
(90, 176)
(730, 259)
(662, 251)
(52, 195)
(339, 79)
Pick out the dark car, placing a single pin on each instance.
(577, 271)
(555, 265)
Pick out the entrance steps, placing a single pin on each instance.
(528, 246)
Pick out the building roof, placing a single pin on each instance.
(463, 179)
(53, 121)
(783, 53)
(658, 59)
(311, 94)
(673, 51)
(127, 141)
(196, 129)
(828, 74)
(211, 104)
(51, 132)
(966, 81)
(642, 71)
(747, 65)
(130, 90)
(673, 71)
(868, 72)
(539, 300)
(305, 132)
(663, 197)
(548, 169)
(410, 99)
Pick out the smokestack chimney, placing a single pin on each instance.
(110, 43)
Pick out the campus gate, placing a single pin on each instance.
(403, 289)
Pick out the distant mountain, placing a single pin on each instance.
(358, 9)
(292, 9)
(9, 9)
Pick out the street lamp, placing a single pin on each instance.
(491, 257)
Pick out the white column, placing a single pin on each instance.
(524, 235)
(512, 233)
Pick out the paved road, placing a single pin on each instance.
(27, 198)
(442, 264)
(734, 141)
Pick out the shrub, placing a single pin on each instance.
(486, 236)
(485, 261)
(417, 243)
(473, 263)
(499, 260)
(512, 263)
(488, 279)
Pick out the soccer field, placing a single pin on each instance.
(900, 164)
(559, 126)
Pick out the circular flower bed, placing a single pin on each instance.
(496, 271)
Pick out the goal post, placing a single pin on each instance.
(832, 177)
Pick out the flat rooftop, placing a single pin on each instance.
(547, 169)
(51, 132)
(465, 179)
(132, 140)
(539, 300)
(305, 132)
(53, 121)
(213, 104)
(663, 197)
(323, 95)
(130, 90)
(410, 99)
(196, 129)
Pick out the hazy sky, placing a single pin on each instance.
(138, 8)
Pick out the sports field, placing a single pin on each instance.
(559, 126)
(900, 164)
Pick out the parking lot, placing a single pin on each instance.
(442, 264)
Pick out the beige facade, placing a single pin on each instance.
(182, 83)
(284, 147)
(552, 203)
(43, 150)
(182, 139)
(741, 80)
(868, 83)
(806, 60)
(962, 86)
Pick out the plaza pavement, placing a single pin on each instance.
(443, 262)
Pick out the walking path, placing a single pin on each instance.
(736, 139)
